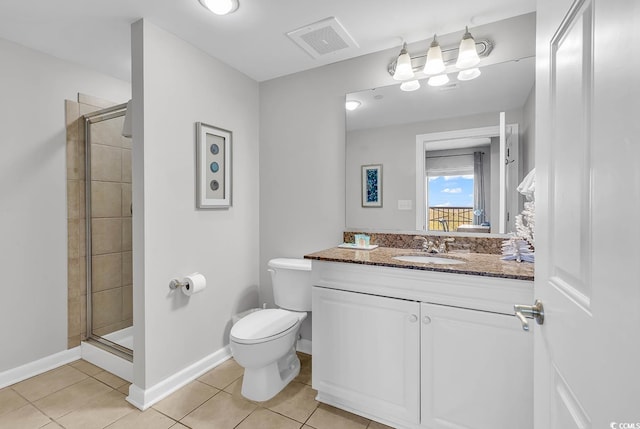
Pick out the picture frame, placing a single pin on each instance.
(213, 167)
(371, 185)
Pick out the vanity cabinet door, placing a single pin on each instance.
(477, 370)
(366, 353)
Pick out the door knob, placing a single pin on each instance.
(413, 318)
(535, 311)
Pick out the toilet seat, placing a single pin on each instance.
(264, 325)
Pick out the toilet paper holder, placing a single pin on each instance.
(189, 285)
(176, 284)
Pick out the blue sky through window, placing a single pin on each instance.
(450, 191)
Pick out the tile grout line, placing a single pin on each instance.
(55, 391)
(198, 406)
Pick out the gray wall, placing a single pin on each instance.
(176, 85)
(33, 201)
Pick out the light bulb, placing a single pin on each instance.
(404, 69)
(467, 53)
(220, 7)
(351, 105)
(469, 74)
(410, 85)
(439, 80)
(434, 64)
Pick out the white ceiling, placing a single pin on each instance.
(96, 33)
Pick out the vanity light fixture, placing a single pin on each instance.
(220, 7)
(410, 85)
(438, 61)
(404, 70)
(469, 74)
(434, 64)
(467, 53)
(352, 105)
(439, 80)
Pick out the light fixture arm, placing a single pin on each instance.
(449, 56)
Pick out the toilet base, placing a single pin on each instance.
(262, 384)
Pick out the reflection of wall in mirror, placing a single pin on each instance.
(396, 146)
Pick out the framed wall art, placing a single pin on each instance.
(372, 185)
(213, 170)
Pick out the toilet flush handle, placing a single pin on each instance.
(272, 271)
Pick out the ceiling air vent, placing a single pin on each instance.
(322, 37)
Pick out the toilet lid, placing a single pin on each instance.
(290, 264)
(263, 324)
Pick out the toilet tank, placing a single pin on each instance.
(291, 279)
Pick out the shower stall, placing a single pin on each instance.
(108, 208)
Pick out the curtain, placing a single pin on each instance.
(478, 188)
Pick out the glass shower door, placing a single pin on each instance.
(109, 244)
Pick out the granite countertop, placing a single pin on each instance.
(478, 264)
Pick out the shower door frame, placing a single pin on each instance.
(92, 118)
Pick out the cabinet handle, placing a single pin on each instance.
(426, 320)
(413, 318)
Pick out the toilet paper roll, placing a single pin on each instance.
(194, 283)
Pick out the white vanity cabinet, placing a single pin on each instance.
(409, 349)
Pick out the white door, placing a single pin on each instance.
(587, 352)
(503, 174)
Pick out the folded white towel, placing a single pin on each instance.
(528, 185)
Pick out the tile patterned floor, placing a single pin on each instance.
(83, 396)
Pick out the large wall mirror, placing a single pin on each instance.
(450, 163)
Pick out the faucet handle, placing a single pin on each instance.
(444, 244)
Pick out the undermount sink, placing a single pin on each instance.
(427, 259)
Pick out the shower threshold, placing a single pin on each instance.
(123, 337)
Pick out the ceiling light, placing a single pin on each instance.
(404, 69)
(410, 85)
(469, 74)
(467, 53)
(434, 64)
(439, 80)
(220, 7)
(351, 105)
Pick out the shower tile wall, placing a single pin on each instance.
(111, 223)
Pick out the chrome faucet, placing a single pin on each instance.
(437, 246)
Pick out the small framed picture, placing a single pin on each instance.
(213, 172)
(372, 185)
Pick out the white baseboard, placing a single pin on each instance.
(303, 345)
(144, 398)
(107, 361)
(47, 363)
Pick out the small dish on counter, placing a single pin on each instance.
(357, 247)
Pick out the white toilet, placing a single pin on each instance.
(264, 342)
